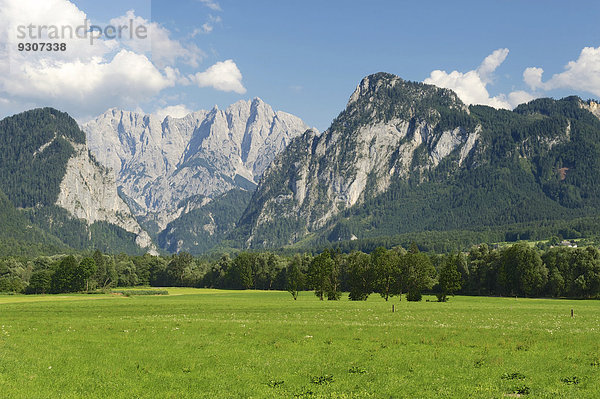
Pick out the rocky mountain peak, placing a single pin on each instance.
(391, 130)
(369, 85)
(383, 97)
(160, 164)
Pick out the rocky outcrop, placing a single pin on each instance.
(88, 191)
(591, 106)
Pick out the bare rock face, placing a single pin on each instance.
(591, 106)
(161, 164)
(88, 191)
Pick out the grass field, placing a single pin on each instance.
(225, 344)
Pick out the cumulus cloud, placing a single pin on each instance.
(468, 86)
(490, 63)
(471, 86)
(582, 74)
(87, 79)
(83, 80)
(224, 76)
(17, 15)
(88, 86)
(519, 97)
(174, 111)
(533, 78)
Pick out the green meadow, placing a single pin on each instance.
(198, 343)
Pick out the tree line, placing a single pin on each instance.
(516, 270)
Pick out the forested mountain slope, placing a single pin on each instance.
(409, 157)
(56, 190)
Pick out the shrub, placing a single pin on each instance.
(414, 296)
(140, 292)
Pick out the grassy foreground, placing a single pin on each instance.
(224, 344)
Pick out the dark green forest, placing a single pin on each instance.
(514, 270)
(35, 149)
(202, 229)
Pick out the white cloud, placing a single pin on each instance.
(86, 87)
(175, 111)
(224, 76)
(533, 78)
(84, 80)
(158, 44)
(16, 16)
(582, 74)
(519, 97)
(213, 5)
(490, 63)
(87, 79)
(471, 86)
(208, 26)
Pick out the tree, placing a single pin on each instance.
(127, 274)
(85, 270)
(274, 265)
(240, 274)
(333, 290)
(64, 275)
(217, 275)
(450, 279)
(40, 282)
(177, 268)
(478, 265)
(360, 276)
(419, 274)
(556, 282)
(387, 275)
(586, 267)
(522, 271)
(106, 272)
(294, 277)
(560, 274)
(320, 273)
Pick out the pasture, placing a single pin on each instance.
(198, 343)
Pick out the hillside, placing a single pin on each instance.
(200, 230)
(56, 195)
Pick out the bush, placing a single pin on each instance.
(414, 296)
(140, 292)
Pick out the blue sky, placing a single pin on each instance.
(306, 57)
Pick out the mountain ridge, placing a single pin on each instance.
(406, 156)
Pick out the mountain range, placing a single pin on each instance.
(402, 158)
(141, 174)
